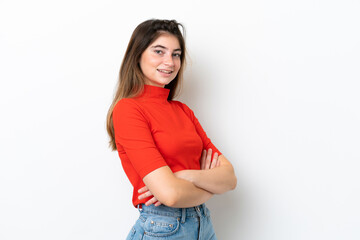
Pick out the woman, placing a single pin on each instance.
(171, 163)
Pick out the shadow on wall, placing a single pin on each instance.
(226, 209)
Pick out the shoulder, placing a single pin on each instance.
(126, 104)
(126, 107)
(180, 104)
(184, 107)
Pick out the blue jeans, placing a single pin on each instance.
(164, 222)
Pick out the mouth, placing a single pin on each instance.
(165, 71)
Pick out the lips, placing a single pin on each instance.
(165, 71)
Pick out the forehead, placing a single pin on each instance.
(167, 40)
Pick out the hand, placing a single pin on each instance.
(206, 162)
(146, 193)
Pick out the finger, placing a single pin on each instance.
(218, 163)
(143, 189)
(145, 195)
(214, 161)
(151, 201)
(203, 159)
(157, 204)
(208, 159)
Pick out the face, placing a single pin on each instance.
(161, 62)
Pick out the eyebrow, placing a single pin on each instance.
(161, 46)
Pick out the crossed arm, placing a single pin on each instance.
(181, 189)
(189, 188)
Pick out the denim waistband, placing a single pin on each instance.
(197, 211)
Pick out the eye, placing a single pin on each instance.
(177, 55)
(158, 51)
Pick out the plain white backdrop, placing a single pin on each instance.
(275, 85)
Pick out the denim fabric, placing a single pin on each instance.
(164, 222)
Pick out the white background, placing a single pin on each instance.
(275, 85)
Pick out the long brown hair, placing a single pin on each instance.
(131, 79)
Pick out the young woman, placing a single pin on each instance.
(171, 163)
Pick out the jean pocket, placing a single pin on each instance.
(161, 226)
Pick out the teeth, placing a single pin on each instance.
(164, 71)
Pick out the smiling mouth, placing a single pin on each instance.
(165, 71)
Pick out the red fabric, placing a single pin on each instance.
(151, 132)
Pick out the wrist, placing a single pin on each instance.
(192, 175)
(195, 176)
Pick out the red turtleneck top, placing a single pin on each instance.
(151, 132)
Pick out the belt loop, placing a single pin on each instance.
(202, 210)
(198, 211)
(206, 211)
(139, 208)
(183, 215)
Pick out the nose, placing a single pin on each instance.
(168, 60)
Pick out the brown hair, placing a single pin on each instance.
(131, 80)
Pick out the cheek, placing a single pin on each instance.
(152, 64)
(178, 65)
(147, 61)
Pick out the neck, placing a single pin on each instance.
(155, 93)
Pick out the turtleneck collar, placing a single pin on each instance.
(154, 93)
